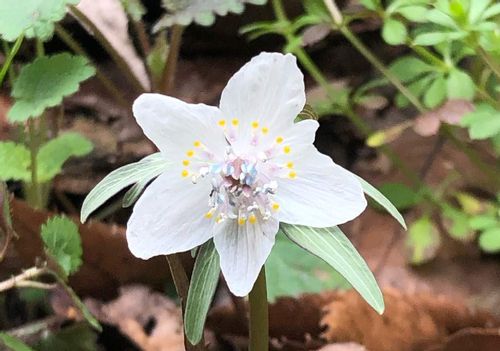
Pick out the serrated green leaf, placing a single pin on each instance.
(15, 161)
(291, 271)
(13, 343)
(147, 168)
(201, 291)
(134, 8)
(377, 196)
(53, 154)
(394, 32)
(423, 240)
(203, 12)
(436, 93)
(63, 243)
(332, 246)
(460, 85)
(409, 68)
(483, 123)
(489, 240)
(34, 18)
(45, 82)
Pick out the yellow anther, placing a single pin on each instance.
(242, 220)
(222, 123)
(190, 153)
(252, 219)
(185, 173)
(218, 219)
(197, 143)
(235, 122)
(185, 163)
(209, 214)
(255, 124)
(279, 140)
(292, 175)
(287, 149)
(289, 165)
(276, 206)
(265, 130)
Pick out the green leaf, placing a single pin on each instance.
(491, 11)
(457, 223)
(331, 245)
(418, 88)
(394, 32)
(438, 17)
(476, 9)
(413, 13)
(62, 242)
(13, 343)
(408, 68)
(291, 271)
(460, 85)
(147, 168)
(489, 240)
(45, 82)
(378, 197)
(483, 123)
(423, 240)
(370, 4)
(483, 222)
(133, 194)
(398, 194)
(34, 18)
(436, 93)
(433, 38)
(157, 57)
(134, 8)
(200, 11)
(15, 161)
(53, 154)
(201, 291)
(77, 337)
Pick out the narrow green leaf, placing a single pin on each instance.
(14, 161)
(400, 195)
(45, 82)
(201, 291)
(62, 242)
(53, 154)
(433, 38)
(133, 194)
(331, 245)
(13, 343)
(376, 195)
(145, 169)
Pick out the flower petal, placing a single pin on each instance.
(321, 193)
(243, 250)
(170, 217)
(174, 125)
(269, 90)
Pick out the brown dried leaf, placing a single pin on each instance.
(135, 309)
(410, 322)
(450, 112)
(111, 19)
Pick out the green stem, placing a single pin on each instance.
(168, 76)
(10, 57)
(259, 315)
(101, 38)
(78, 49)
(33, 190)
(181, 282)
(489, 61)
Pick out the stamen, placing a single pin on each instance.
(279, 140)
(292, 175)
(265, 130)
(276, 206)
(210, 213)
(190, 153)
(197, 143)
(287, 149)
(235, 122)
(185, 163)
(184, 173)
(255, 124)
(289, 165)
(242, 220)
(222, 122)
(252, 219)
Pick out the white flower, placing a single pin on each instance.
(237, 171)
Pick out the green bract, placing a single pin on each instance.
(62, 242)
(45, 82)
(332, 246)
(203, 12)
(34, 18)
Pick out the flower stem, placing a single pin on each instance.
(167, 82)
(181, 283)
(259, 316)
(10, 57)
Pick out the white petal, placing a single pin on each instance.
(174, 125)
(170, 217)
(269, 89)
(243, 250)
(323, 194)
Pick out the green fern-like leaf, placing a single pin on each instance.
(45, 82)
